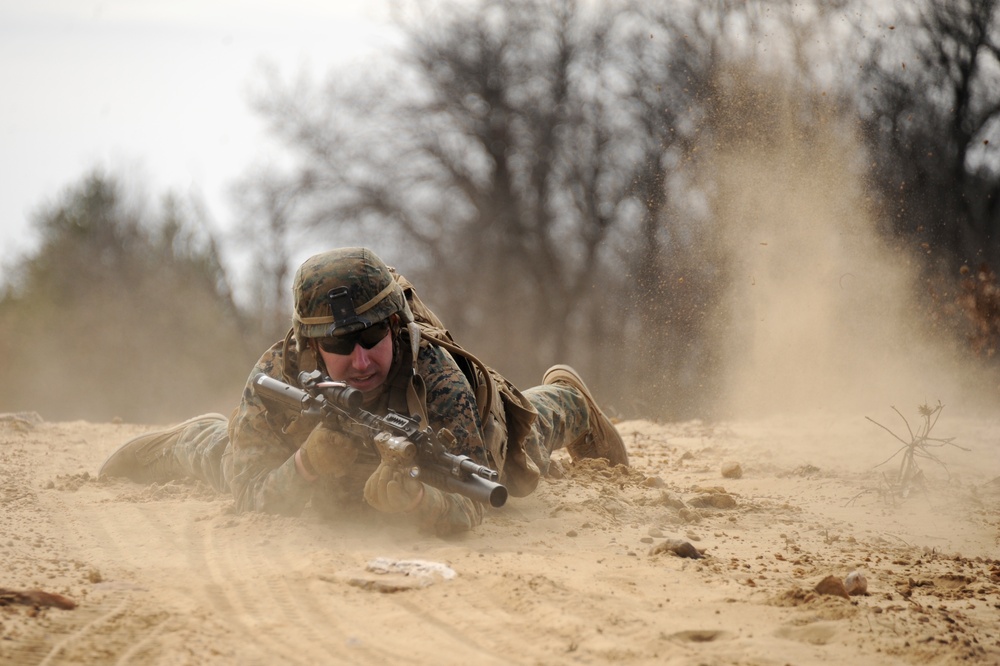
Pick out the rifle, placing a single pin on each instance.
(393, 437)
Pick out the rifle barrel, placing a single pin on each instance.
(271, 388)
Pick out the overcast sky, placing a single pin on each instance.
(159, 88)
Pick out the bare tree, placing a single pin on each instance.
(267, 233)
(533, 165)
(932, 112)
(515, 152)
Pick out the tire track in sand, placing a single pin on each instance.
(64, 645)
(246, 590)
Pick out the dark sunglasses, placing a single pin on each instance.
(343, 345)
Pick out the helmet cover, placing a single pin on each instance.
(343, 291)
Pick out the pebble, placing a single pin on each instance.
(856, 583)
(678, 547)
(833, 586)
(732, 470)
(713, 500)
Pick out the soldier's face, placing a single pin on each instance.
(362, 369)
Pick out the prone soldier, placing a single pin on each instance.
(359, 322)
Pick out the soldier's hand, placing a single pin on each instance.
(391, 489)
(328, 452)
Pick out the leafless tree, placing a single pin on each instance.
(267, 233)
(525, 152)
(533, 166)
(932, 112)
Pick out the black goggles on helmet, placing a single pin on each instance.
(343, 345)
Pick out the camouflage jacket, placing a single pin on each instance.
(264, 441)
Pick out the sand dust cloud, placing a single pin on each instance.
(821, 313)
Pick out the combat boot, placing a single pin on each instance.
(602, 440)
(160, 456)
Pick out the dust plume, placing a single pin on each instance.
(821, 312)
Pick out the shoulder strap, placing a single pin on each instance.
(432, 328)
(442, 338)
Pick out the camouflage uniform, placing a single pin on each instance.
(252, 454)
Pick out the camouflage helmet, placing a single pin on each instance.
(343, 291)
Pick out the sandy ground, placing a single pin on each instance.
(572, 575)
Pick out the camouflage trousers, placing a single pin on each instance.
(203, 448)
(563, 417)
